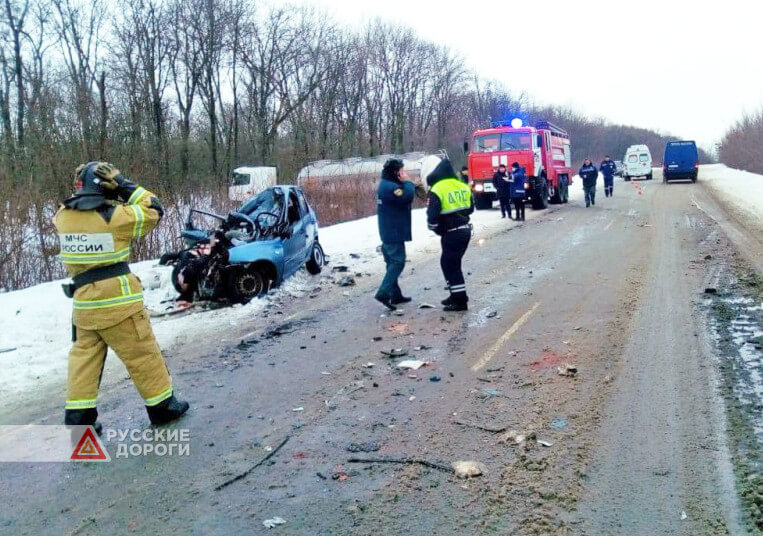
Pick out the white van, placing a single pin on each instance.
(247, 182)
(637, 163)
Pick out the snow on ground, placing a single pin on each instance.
(35, 323)
(741, 191)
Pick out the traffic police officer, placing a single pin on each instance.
(95, 228)
(448, 208)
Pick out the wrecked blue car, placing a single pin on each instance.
(267, 240)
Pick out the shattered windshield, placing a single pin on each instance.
(271, 201)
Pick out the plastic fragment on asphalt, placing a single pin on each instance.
(434, 378)
(512, 436)
(395, 352)
(298, 409)
(683, 515)
(567, 370)
(368, 365)
(411, 399)
(414, 364)
(398, 312)
(544, 443)
(324, 373)
(559, 423)
(468, 469)
(426, 306)
(273, 522)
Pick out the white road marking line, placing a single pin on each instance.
(490, 354)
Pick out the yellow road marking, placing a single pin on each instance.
(490, 354)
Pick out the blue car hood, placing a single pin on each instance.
(261, 250)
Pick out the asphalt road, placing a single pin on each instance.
(637, 436)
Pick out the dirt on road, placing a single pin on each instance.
(633, 442)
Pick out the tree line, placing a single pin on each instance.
(177, 93)
(740, 146)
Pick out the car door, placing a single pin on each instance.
(296, 241)
(311, 225)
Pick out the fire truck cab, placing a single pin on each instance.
(543, 150)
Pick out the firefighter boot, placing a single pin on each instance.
(83, 417)
(166, 410)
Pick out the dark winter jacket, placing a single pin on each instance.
(518, 179)
(438, 222)
(589, 174)
(393, 203)
(608, 168)
(502, 184)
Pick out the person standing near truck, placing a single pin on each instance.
(518, 190)
(95, 229)
(589, 174)
(393, 201)
(502, 185)
(608, 169)
(465, 174)
(448, 208)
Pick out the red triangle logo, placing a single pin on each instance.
(89, 448)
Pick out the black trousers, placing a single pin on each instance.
(519, 205)
(505, 206)
(454, 245)
(609, 185)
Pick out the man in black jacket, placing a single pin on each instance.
(448, 208)
(589, 174)
(502, 190)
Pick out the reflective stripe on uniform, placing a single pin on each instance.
(453, 194)
(124, 284)
(154, 400)
(139, 219)
(137, 195)
(110, 302)
(95, 258)
(82, 403)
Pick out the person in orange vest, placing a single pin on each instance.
(95, 229)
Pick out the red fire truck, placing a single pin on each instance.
(543, 150)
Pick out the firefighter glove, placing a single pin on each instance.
(108, 176)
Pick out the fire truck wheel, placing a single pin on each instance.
(540, 195)
(565, 191)
(483, 202)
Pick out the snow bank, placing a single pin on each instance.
(35, 328)
(740, 191)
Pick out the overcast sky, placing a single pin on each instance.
(677, 67)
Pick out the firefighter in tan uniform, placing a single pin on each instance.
(95, 228)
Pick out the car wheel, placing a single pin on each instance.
(649, 177)
(314, 265)
(626, 178)
(566, 197)
(245, 284)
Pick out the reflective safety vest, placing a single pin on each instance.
(88, 241)
(454, 195)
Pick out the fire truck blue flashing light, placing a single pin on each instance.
(516, 123)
